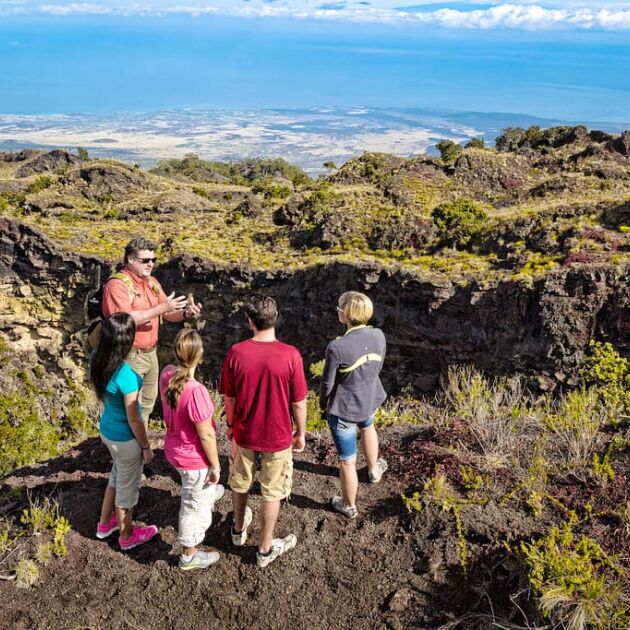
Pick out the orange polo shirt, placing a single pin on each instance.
(116, 300)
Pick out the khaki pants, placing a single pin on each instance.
(145, 363)
(126, 471)
(276, 472)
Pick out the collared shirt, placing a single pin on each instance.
(116, 300)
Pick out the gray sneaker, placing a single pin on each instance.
(377, 473)
(240, 538)
(278, 547)
(350, 512)
(199, 560)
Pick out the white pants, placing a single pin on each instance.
(197, 503)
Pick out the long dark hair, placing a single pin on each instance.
(118, 332)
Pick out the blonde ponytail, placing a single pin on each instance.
(188, 353)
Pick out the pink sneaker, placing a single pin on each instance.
(103, 531)
(139, 536)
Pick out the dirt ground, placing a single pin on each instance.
(386, 569)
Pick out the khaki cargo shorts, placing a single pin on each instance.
(276, 472)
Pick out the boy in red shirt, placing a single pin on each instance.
(265, 391)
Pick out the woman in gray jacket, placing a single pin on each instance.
(351, 392)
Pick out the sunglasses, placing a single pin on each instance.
(145, 261)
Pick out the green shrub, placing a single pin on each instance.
(459, 222)
(575, 424)
(400, 411)
(44, 553)
(604, 365)
(608, 374)
(270, 188)
(41, 514)
(317, 368)
(577, 585)
(24, 437)
(475, 143)
(27, 573)
(41, 183)
(314, 421)
(60, 529)
(449, 151)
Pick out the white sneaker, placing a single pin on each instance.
(377, 474)
(278, 547)
(240, 538)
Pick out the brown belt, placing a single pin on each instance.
(143, 351)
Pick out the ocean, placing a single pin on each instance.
(145, 88)
(97, 64)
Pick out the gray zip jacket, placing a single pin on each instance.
(351, 386)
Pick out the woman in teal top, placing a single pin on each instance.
(122, 431)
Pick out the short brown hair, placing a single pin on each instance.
(137, 245)
(357, 307)
(262, 310)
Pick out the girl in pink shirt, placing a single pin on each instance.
(190, 446)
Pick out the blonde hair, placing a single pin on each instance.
(357, 307)
(188, 350)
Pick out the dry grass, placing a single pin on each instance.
(497, 413)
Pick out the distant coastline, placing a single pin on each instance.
(306, 136)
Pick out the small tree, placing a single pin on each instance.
(475, 143)
(449, 150)
(330, 166)
(458, 222)
(509, 139)
(83, 154)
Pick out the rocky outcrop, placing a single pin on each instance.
(485, 172)
(42, 293)
(106, 182)
(170, 202)
(368, 168)
(538, 329)
(622, 144)
(19, 156)
(47, 162)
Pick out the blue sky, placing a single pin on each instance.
(531, 15)
(561, 60)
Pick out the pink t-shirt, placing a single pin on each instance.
(182, 445)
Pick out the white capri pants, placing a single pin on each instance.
(197, 503)
(126, 471)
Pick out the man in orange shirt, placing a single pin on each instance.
(147, 304)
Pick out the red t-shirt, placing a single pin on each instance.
(264, 378)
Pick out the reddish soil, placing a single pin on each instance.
(386, 569)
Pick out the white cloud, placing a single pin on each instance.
(524, 14)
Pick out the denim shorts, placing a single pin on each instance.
(344, 434)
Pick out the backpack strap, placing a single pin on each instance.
(153, 283)
(127, 281)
